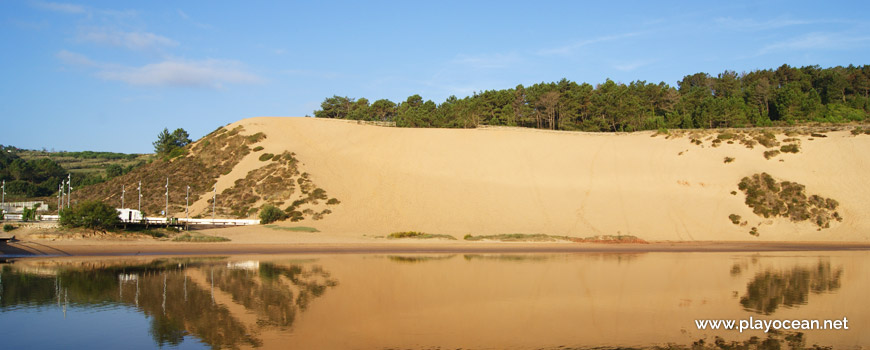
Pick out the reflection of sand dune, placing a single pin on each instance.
(506, 180)
(222, 306)
(772, 289)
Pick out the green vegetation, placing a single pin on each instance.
(196, 237)
(293, 229)
(790, 148)
(8, 227)
(418, 235)
(258, 148)
(333, 201)
(91, 214)
(171, 145)
(735, 219)
(517, 237)
(784, 96)
(859, 130)
(270, 213)
(729, 159)
(770, 198)
(256, 138)
(266, 156)
(771, 154)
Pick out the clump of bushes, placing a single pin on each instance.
(729, 159)
(8, 227)
(726, 136)
(333, 201)
(270, 213)
(735, 219)
(766, 139)
(258, 148)
(790, 148)
(859, 130)
(266, 156)
(92, 214)
(770, 198)
(256, 137)
(771, 154)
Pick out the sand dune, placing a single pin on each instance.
(511, 180)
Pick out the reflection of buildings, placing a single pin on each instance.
(224, 305)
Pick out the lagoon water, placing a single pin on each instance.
(426, 301)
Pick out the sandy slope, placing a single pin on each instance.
(510, 180)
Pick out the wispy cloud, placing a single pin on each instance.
(59, 7)
(818, 41)
(630, 66)
(750, 24)
(75, 59)
(209, 73)
(497, 60)
(567, 49)
(311, 73)
(130, 40)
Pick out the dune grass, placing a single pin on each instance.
(418, 235)
(195, 237)
(293, 229)
(517, 237)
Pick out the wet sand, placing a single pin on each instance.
(98, 248)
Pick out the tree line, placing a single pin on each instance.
(784, 96)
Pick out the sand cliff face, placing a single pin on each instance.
(508, 180)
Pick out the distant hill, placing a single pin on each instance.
(33, 174)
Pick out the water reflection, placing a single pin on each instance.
(790, 288)
(210, 299)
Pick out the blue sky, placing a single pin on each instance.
(110, 75)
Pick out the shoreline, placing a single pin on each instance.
(29, 248)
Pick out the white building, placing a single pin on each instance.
(129, 215)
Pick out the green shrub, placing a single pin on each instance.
(767, 139)
(790, 148)
(333, 201)
(258, 148)
(266, 156)
(726, 136)
(256, 137)
(8, 227)
(771, 154)
(735, 219)
(729, 159)
(91, 214)
(271, 213)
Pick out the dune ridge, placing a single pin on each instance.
(510, 180)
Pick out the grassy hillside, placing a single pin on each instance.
(214, 161)
(88, 162)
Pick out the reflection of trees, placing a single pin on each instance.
(770, 289)
(176, 302)
(418, 258)
(271, 298)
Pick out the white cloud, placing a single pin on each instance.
(567, 49)
(209, 73)
(205, 73)
(129, 40)
(818, 41)
(60, 7)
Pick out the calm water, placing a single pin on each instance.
(491, 301)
